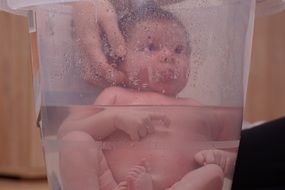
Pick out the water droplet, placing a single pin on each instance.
(145, 85)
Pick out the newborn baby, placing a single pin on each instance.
(146, 147)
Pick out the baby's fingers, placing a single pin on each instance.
(142, 130)
(166, 121)
(161, 118)
(122, 186)
(134, 135)
(205, 157)
(149, 126)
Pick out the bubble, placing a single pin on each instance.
(145, 85)
(135, 82)
(80, 61)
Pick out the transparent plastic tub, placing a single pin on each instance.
(175, 122)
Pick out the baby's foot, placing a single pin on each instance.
(226, 160)
(122, 186)
(139, 179)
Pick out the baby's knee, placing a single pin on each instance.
(81, 144)
(78, 140)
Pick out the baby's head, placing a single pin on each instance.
(158, 51)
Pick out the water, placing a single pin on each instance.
(76, 140)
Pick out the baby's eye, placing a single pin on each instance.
(151, 47)
(178, 49)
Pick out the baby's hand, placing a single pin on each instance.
(138, 124)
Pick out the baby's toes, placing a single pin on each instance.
(142, 132)
(206, 157)
(140, 169)
(137, 170)
(133, 174)
(122, 186)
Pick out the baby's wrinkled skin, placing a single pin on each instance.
(148, 148)
(167, 147)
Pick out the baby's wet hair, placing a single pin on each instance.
(148, 12)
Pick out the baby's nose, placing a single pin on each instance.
(166, 56)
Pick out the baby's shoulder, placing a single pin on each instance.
(188, 101)
(114, 90)
(111, 96)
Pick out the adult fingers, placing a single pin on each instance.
(98, 62)
(114, 76)
(87, 31)
(109, 21)
(96, 67)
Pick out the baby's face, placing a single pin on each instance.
(158, 57)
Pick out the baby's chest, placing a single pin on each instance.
(142, 98)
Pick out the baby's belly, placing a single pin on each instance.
(167, 157)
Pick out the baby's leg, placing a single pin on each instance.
(208, 177)
(139, 179)
(83, 165)
(226, 160)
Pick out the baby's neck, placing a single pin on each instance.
(147, 90)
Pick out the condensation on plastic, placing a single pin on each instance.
(264, 7)
(22, 7)
(268, 7)
(19, 4)
(211, 61)
(55, 37)
(5, 7)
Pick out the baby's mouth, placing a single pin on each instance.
(167, 75)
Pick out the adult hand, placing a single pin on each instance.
(89, 20)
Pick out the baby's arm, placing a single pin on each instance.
(229, 120)
(101, 122)
(93, 120)
(228, 125)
